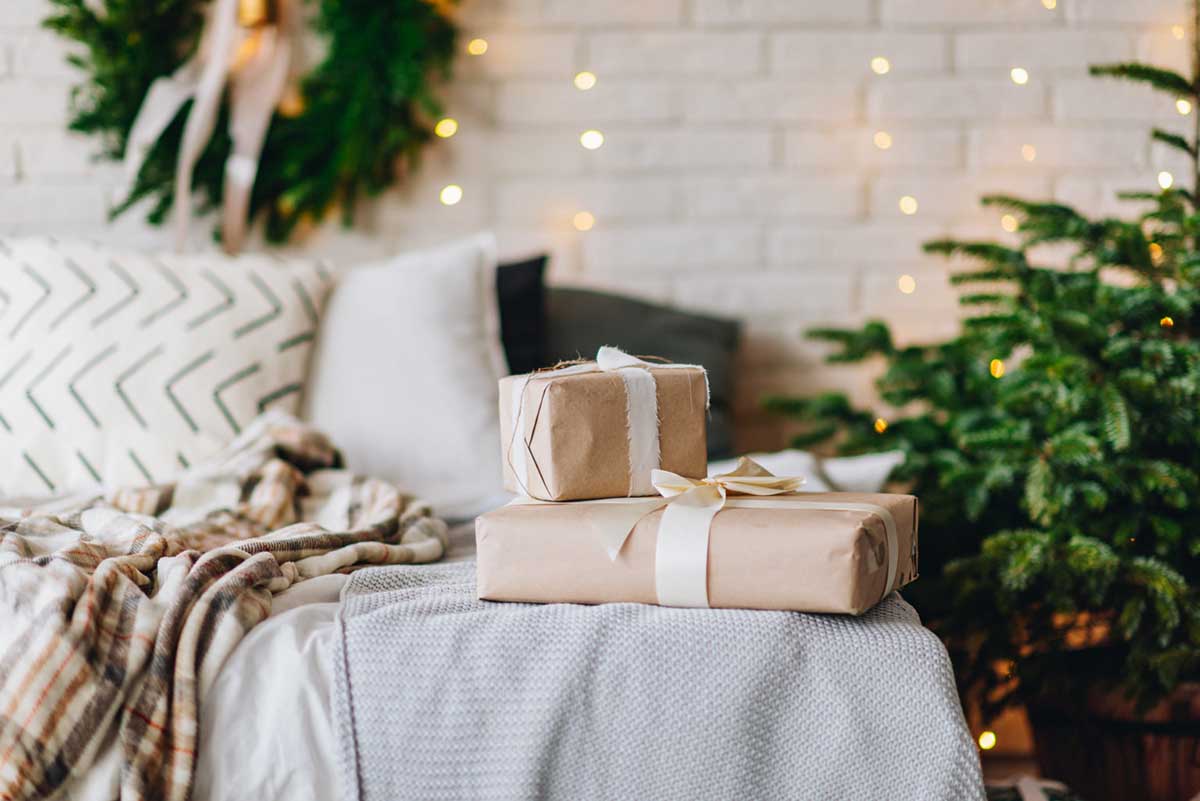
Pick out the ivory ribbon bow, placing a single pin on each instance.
(641, 413)
(255, 63)
(682, 549)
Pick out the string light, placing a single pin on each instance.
(583, 221)
(1028, 152)
(880, 65)
(908, 204)
(1177, 31)
(996, 368)
(292, 103)
(907, 284)
(1009, 223)
(1165, 179)
(591, 139)
(987, 740)
(1167, 322)
(446, 127)
(477, 47)
(585, 80)
(1183, 106)
(883, 140)
(1156, 253)
(1019, 75)
(451, 194)
(880, 425)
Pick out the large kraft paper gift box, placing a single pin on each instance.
(712, 544)
(597, 429)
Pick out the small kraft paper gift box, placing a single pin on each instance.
(597, 429)
(745, 540)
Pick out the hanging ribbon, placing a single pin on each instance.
(641, 412)
(255, 62)
(681, 551)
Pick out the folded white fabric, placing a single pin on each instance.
(865, 473)
(405, 373)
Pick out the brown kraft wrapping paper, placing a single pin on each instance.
(576, 427)
(803, 560)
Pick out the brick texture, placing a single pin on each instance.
(753, 162)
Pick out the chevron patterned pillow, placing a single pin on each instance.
(120, 367)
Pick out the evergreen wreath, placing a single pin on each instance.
(367, 109)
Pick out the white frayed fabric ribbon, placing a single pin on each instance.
(641, 413)
(255, 63)
(681, 551)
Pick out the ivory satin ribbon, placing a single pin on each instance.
(681, 551)
(641, 413)
(255, 63)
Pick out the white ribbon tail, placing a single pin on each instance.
(255, 92)
(681, 554)
(203, 117)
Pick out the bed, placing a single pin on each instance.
(272, 627)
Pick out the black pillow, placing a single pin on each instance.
(579, 321)
(521, 291)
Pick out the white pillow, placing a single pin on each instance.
(119, 367)
(404, 378)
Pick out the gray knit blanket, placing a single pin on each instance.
(443, 696)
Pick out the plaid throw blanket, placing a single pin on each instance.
(117, 612)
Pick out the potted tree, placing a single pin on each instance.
(1055, 445)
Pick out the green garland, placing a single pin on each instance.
(368, 108)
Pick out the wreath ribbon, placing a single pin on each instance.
(255, 63)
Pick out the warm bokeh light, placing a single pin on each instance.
(1156, 253)
(1019, 75)
(1165, 179)
(883, 140)
(880, 425)
(1183, 106)
(583, 221)
(908, 204)
(1009, 223)
(907, 284)
(1167, 322)
(1050, 4)
(1028, 152)
(1177, 31)
(292, 103)
(446, 128)
(477, 47)
(880, 65)
(987, 740)
(996, 368)
(591, 139)
(451, 194)
(585, 80)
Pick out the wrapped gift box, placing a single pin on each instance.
(598, 429)
(789, 551)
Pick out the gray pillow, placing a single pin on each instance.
(579, 321)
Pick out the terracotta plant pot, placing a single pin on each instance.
(1109, 752)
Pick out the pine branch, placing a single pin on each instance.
(1173, 140)
(1161, 79)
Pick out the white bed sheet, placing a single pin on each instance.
(266, 727)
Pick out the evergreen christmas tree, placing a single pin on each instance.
(1055, 443)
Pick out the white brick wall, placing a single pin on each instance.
(738, 174)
